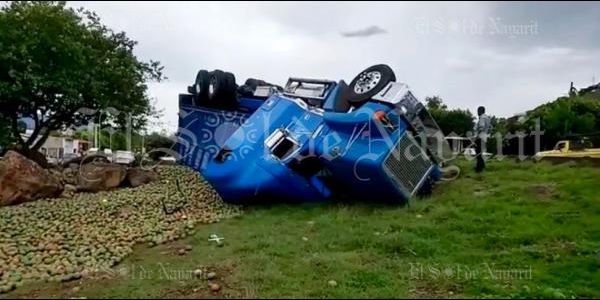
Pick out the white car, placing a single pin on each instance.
(167, 160)
(53, 161)
(123, 157)
(470, 153)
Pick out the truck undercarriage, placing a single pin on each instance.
(312, 140)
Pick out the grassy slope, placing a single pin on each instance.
(515, 216)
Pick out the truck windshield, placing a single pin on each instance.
(301, 89)
(580, 145)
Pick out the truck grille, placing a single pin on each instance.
(407, 164)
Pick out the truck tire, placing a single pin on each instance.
(369, 83)
(253, 83)
(216, 86)
(222, 89)
(200, 87)
(231, 91)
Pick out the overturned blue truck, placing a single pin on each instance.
(311, 140)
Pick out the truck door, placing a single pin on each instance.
(561, 146)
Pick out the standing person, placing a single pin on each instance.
(482, 131)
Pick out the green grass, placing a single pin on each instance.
(540, 221)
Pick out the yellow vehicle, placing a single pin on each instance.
(570, 150)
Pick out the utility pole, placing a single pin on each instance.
(96, 136)
(97, 132)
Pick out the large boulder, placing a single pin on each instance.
(38, 158)
(96, 177)
(22, 180)
(138, 176)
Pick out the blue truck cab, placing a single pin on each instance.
(313, 140)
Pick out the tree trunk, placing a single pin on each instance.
(24, 147)
(42, 140)
(36, 131)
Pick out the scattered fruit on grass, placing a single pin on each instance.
(198, 272)
(214, 287)
(61, 239)
(211, 275)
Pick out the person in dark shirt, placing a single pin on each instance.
(482, 130)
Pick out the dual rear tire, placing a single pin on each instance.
(214, 89)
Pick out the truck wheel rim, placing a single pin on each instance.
(367, 81)
(211, 87)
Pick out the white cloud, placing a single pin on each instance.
(431, 46)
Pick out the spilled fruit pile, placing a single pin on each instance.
(65, 239)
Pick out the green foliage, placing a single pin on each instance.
(569, 115)
(117, 140)
(456, 121)
(5, 134)
(157, 143)
(560, 119)
(56, 60)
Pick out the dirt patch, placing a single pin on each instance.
(177, 248)
(542, 191)
(561, 246)
(480, 193)
(63, 290)
(186, 289)
(424, 290)
(225, 279)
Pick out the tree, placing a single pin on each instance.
(55, 61)
(564, 118)
(456, 120)
(157, 142)
(435, 103)
(5, 136)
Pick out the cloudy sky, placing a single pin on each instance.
(509, 57)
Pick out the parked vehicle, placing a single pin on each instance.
(123, 157)
(312, 140)
(470, 153)
(167, 160)
(104, 156)
(52, 161)
(570, 150)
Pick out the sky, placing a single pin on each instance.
(509, 57)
